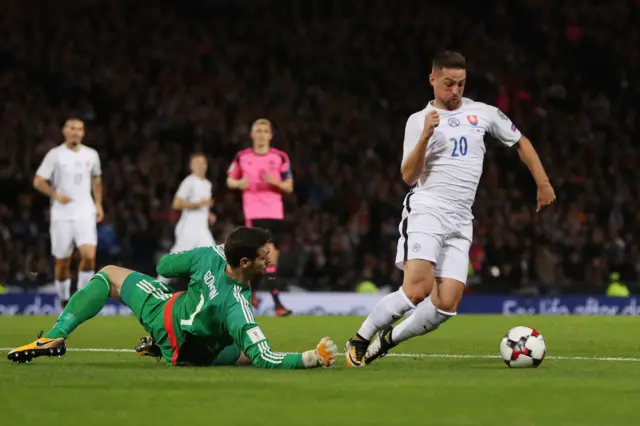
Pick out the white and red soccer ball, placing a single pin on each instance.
(523, 347)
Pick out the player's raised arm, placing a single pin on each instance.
(506, 131)
(415, 143)
(180, 264)
(248, 336)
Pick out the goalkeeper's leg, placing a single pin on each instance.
(83, 305)
(231, 355)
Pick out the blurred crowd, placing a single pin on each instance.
(155, 81)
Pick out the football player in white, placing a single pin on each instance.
(69, 174)
(442, 159)
(194, 199)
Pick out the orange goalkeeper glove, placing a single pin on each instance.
(324, 355)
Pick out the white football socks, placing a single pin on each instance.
(84, 277)
(63, 288)
(387, 311)
(424, 319)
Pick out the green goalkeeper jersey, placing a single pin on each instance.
(215, 312)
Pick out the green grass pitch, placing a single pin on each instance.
(583, 381)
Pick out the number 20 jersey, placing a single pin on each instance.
(455, 155)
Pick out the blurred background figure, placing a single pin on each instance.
(153, 83)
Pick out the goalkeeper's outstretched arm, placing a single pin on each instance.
(248, 336)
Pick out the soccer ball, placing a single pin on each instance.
(523, 347)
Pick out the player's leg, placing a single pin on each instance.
(61, 249)
(271, 277)
(273, 282)
(255, 283)
(231, 355)
(85, 235)
(149, 300)
(84, 305)
(451, 276)
(417, 254)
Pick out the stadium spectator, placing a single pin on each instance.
(155, 82)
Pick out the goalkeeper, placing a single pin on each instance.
(211, 323)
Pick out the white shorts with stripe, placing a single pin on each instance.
(429, 236)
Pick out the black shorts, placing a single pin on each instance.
(275, 226)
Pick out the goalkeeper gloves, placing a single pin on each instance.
(324, 355)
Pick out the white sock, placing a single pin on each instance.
(84, 277)
(63, 288)
(387, 311)
(162, 279)
(424, 319)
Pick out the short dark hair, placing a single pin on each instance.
(197, 154)
(244, 242)
(449, 59)
(73, 118)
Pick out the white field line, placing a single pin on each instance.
(403, 355)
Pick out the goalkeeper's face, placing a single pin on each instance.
(257, 267)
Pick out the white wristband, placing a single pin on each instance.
(310, 359)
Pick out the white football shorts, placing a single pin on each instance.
(188, 238)
(67, 233)
(427, 236)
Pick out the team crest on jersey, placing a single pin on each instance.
(473, 120)
(453, 122)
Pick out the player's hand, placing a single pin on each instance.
(270, 179)
(326, 352)
(431, 121)
(61, 198)
(242, 184)
(546, 195)
(207, 202)
(99, 213)
(324, 355)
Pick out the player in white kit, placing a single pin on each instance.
(442, 159)
(194, 199)
(69, 174)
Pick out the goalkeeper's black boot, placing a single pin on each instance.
(147, 347)
(380, 346)
(355, 350)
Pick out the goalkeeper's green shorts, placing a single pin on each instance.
(147, 299)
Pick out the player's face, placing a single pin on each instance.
(73, 132)
(198, 166)
(261, 136)
(257, 267)
(448, 86)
